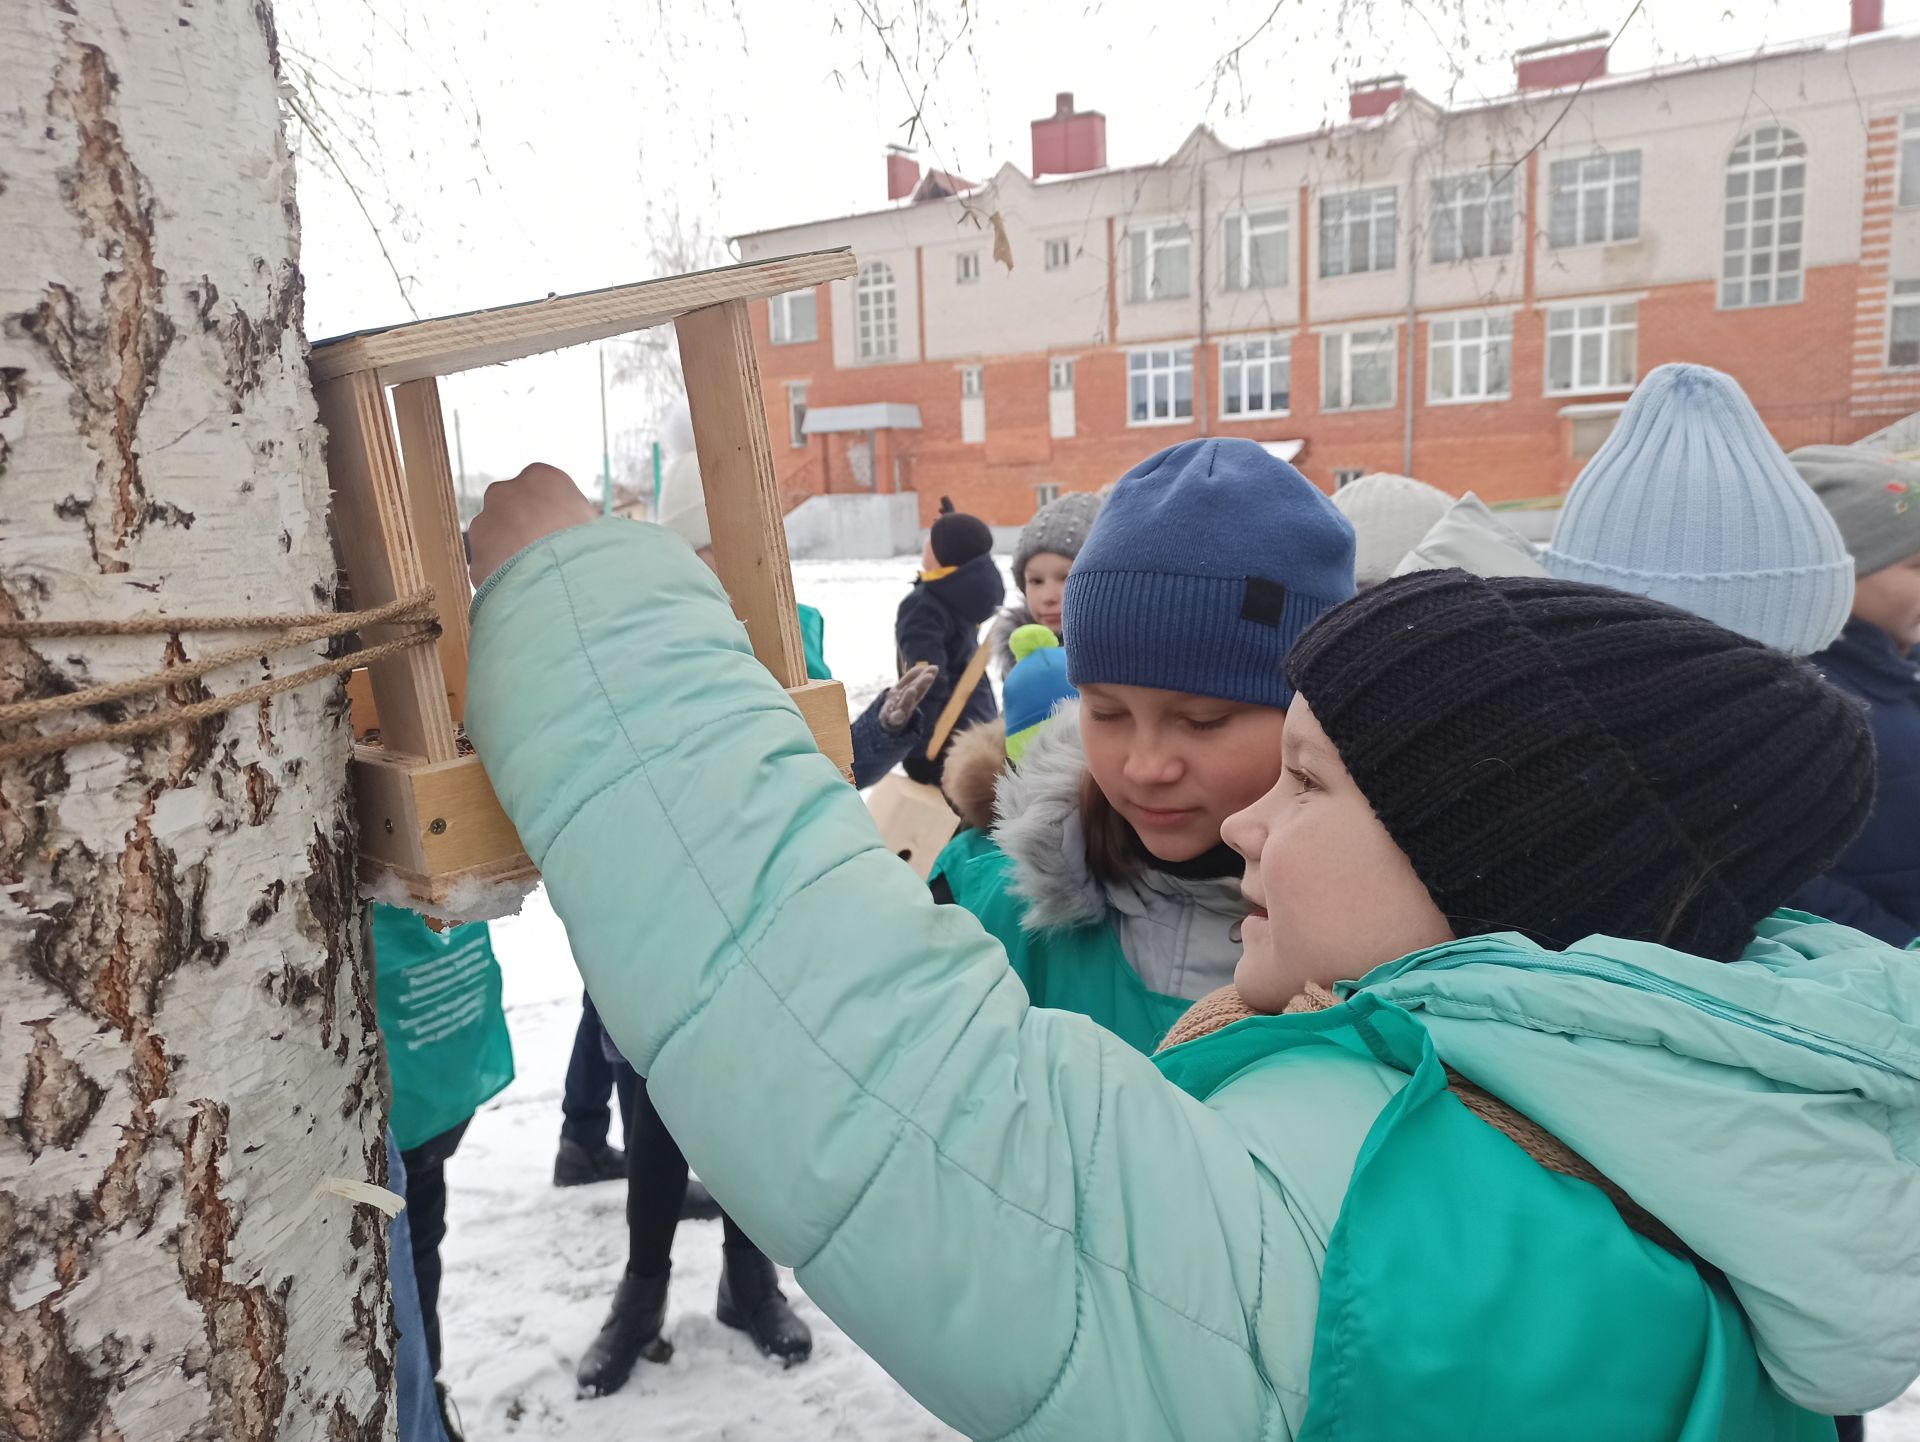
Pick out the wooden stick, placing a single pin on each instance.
(383, 563)
(736, 471)
(435, 517)
(957, 702)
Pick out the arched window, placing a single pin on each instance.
(875, 314)
(1765, 215)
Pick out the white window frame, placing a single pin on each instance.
(1449, 340)
(1261, 354)
(1903, 295)
(1609, 328)
(1058, 253)
(1060, 373)
(1596, 181)
(1906, 190)
(876, 313)
(1346, 340)
(1473, 211)
(1045, 493)
(1238, 233)
(966, 268)
(797, 415)
(1154, 363)
(973, 405)
(1764, 248)
(1382, 216)
(1344, 476)
(780, 309)
(1143, 279)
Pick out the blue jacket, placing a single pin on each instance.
(940, 621)
(1042, 1235)
(1875, 885)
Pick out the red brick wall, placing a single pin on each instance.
(1795, 361)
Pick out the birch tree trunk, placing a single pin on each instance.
(188, 1051)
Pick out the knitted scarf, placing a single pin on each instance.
(1225, 1006)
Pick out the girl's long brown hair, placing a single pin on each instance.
(1112, 855)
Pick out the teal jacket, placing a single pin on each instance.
(1041, 1234)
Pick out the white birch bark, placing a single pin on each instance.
(187, 1040)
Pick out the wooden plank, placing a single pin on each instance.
(383, 564)
(383, 803)
(434, 514)
(446, 344)
(736, 472)
(430, 820)
(914, 819)
(824, 705)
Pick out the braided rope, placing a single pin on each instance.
(300, 630)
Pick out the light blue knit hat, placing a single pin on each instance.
(1691, 502)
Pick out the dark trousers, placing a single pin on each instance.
(593, 1078)
(1851, 1429)
(656, 1186)
(427, 1211)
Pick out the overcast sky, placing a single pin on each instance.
(509, 148)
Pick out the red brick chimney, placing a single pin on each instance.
(1868, 16)
(1368, 98)
(903, 172)
(1561, 62)
(1069, 142)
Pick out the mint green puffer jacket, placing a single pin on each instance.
(1042, 1235)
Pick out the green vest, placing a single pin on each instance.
(1080, 969)
(813, 643)
(1470, 1292)
(438, 998)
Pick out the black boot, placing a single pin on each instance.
(576, 1166)
(751, 1301)
(631, 1331)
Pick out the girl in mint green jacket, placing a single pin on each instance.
(1108, 883)
(1294, 1226)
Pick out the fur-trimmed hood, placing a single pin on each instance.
(1000, 635)
(973, 769)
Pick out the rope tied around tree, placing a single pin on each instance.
(297, 630)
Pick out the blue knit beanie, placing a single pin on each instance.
(1691, 502)
(1207, 563)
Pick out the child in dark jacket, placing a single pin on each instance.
(939, 622)
(1875, 885)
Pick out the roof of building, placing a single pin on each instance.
(1201, 134)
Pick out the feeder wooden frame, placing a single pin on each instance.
(428, 815)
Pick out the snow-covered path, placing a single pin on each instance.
(530, 1269)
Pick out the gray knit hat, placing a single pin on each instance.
(1873, 498)
(1058, 528)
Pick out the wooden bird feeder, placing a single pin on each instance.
(428, 815)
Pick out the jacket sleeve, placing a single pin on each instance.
(876, 750)
(1836, 899)
(1013, 1212)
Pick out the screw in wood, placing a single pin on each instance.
(439, 826)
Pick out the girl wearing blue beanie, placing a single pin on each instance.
(1109, 884)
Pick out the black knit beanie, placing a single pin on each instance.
(957, 537)
(1560, 760)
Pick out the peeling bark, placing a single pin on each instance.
(188, 1048)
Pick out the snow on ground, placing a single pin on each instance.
(530, 1269)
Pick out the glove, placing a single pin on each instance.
(896, 712)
